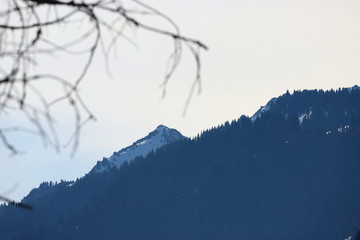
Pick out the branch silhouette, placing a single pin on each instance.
(16, 204)
(23, 38)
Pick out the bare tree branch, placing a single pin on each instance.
(23, 38)
(16, 204)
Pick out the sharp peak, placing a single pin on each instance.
(161, 126)
(161, 136)
(161, 129)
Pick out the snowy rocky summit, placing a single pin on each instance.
(158, 138)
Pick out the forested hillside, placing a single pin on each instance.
(291, 172)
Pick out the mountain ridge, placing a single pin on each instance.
(156, 139)
(273, 101)
(271, 178)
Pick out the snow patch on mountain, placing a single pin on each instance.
(263, 109)
(158, 138)
(304, 116)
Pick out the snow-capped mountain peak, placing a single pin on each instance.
(156, 139)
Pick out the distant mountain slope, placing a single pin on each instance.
(70, 196)
(161, 136)
(274, 177)
(316, 104)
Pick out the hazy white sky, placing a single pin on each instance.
(258, 50)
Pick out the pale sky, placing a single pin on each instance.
(258, 49)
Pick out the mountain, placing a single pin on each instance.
(161, 136)
(272, 177)
(68, 196)
(156, 139)
(302, 103)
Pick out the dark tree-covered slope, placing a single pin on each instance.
(266, 178)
